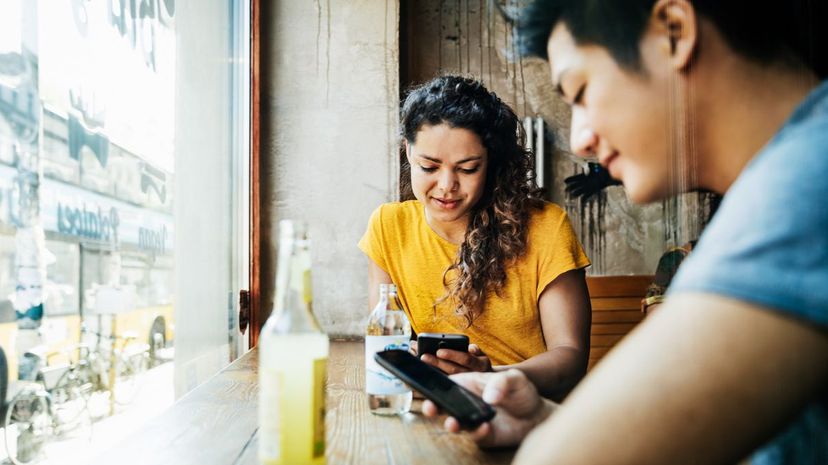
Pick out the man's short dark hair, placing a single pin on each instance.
(765, 31)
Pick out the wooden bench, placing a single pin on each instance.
(616, 309)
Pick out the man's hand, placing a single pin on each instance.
(454, 361)
(519, 407)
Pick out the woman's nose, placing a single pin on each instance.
(582, 140)
(447, 182)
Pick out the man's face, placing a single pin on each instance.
(621, 117)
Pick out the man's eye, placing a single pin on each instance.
(579, 96)
(428, 169)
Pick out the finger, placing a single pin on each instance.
(473, 381)
(430, 409)
(444, 365)
(482, 434)
(451, 425)
(475, 349)
(500, 385)
(412, 347)
(451, 368)
(430, 359)
(456, 356)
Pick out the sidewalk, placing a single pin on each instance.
(155, 395)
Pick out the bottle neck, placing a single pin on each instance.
(394, 301)
(293, 307)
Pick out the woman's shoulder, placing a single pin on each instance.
(394, 214)
(548, 213)
(395, 211)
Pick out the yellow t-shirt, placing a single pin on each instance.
(400, 241)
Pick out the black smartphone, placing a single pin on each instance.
(467, 407)
(429, 343)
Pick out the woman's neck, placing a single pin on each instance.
(452, 231)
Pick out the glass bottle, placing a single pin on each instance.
(293, 355)
(388, 328)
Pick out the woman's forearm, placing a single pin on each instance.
(554, 372)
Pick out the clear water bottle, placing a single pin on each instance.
(388, 328)
(293, 356)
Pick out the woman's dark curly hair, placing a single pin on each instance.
(497, 229)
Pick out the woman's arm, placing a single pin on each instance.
(566, 316)
(376, 276)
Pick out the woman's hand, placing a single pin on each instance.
(455, 361)
(519, 407)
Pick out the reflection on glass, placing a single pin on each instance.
(88, 186)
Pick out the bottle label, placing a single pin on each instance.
(377, 379)
(320, 367)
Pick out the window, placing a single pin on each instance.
(124, 140)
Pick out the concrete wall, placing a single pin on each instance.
(329, 116)
(465, 36)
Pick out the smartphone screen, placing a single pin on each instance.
(468, 408)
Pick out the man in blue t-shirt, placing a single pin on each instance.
(676, 95)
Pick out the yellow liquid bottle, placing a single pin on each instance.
(293, 356)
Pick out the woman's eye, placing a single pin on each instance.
(469, 170)
(428, 169)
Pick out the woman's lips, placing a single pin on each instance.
(447, 204)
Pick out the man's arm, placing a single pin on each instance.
(705, 380)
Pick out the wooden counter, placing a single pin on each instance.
(216, 423)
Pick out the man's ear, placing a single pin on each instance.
(675, 21)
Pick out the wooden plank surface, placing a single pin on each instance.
(620, 316)
(616, 303)
(217, 424)
(618, 286)
(611, 328)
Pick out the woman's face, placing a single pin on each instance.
(448, 171)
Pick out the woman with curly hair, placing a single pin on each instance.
(477, 251)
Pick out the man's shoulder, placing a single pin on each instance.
(767, 242)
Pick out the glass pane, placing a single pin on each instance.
(123, 195)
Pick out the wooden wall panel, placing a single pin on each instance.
(616, 310)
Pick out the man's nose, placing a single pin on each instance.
(582, 140)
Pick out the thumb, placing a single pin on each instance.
(500, 384)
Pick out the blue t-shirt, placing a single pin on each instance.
(768, 245)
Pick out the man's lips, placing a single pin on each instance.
(607, 159)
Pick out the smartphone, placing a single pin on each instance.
(467, 407)
(429, 343)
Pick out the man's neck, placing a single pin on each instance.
(743, 106)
